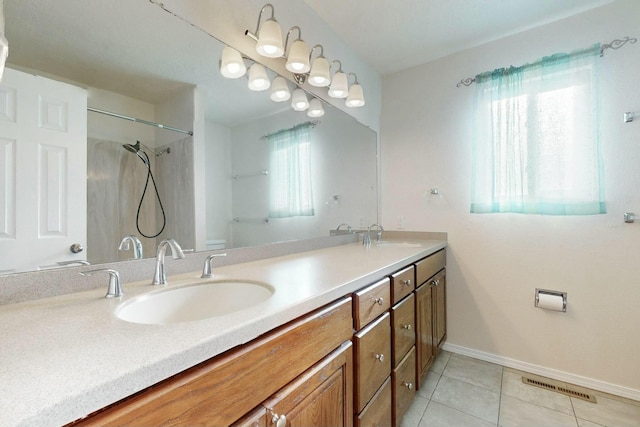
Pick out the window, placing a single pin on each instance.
(290, 172)
(536, 146)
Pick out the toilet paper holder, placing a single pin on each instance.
(547, 292)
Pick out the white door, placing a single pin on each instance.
(43, 171)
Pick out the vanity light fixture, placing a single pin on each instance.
(231, 64)
(315, 108)
(356, 95)
(319, 76)
(269, 36)
(258, 78)
(298, 56)
(280, 90)
(299, 101)
(339, 84)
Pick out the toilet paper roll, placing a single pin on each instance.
(550, 301)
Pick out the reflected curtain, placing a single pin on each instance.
(290, 172)
(536, 148)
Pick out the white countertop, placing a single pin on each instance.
(64, 357)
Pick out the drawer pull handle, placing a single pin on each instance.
(407, 327)
(435, 282)
(407, 385)
(380, 357)
(279, 420)
(379, 301)
(407, 282)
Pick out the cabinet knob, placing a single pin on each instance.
(380, 357)
(379, 301)
(407, 282)
(279, 420)
(407, 385)
(435, 282)
(406, 327)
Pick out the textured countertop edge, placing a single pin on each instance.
(73, 407)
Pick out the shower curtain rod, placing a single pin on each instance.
(133, 119)
(615, 44)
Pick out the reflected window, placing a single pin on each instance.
(290, 172)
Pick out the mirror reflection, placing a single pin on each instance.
(135, 182)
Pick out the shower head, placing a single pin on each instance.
(135, 149)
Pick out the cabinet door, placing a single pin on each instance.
(424, 329)
(322, 396)
(378, 412)
(404, 386)
(440, 309)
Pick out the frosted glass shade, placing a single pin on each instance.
(320, 75)
(299, 101)
(356, 96)
(258, 79)
(298, 58)
(339, 86)
(270, 40)
(315, 108)
(280, 90)
(231, 65)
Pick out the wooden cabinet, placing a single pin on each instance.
(371, 302)
(220, 391)
(320, 397)
(403, 283)
(430, 311)
(403, 333)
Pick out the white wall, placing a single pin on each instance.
(495, 261)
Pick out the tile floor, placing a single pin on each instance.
(461, 391)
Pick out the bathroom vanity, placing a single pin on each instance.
(342, 341)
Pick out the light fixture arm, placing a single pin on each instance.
(255, 35)
(354, 76)
(286, 41)
(314, 48)
(339, 63)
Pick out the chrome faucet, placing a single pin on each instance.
(207, 270)
(380, 230)
(115, 287)
(349, 229)
(137, 245)
(159, 276)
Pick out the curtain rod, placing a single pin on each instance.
(133, 119)
(313, 124)
(615, 44)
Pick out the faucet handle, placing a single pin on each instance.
(207, 270)
(115, 287)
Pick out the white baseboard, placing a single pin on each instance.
(555, 374)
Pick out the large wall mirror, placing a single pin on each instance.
(134, 59)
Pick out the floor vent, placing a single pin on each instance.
(560, 388)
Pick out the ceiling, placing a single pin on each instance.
(395, 35)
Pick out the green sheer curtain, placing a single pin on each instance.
(536, 148)
(290, 172)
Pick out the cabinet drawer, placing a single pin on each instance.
(371, 302)
(403, 334)
(255, 418)
(403, 283)
(373, 359)
(404, 386)
(378, 411)
(429, 266)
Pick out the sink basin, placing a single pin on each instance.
(194, 302)
(398, 244)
